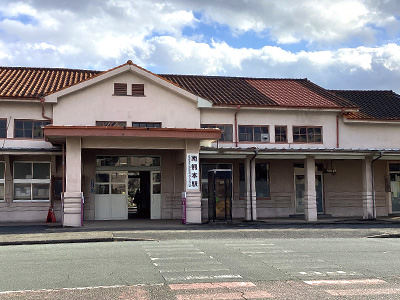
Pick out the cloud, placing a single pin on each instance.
(338, 44)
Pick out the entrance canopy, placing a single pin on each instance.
(58, 134)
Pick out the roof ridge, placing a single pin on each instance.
(234, 77)
(332, 90)
(49, 69)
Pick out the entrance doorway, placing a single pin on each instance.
(395, 186)
(299, 182)
(139, 195)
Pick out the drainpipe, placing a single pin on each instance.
(373, 185)
(43, 115)
(236, 127)
(337, 130)
(251, 184)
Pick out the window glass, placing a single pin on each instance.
(145, 161)
(394, 167)
(262, 180)
(111, 161)
(280, 134)
(156, 177)
(102, 189)
(118, 189)
(41, 171)
(22, 191)
(2, 168)
(111, 123)
(242, 181)
(226, 131)
(118, 177)
(307, 134)
(120, 89)
(22, 170)
(29, 128)
(40, 191)
(147, 124)
(102, 177)
(1, 191)
(3, 128)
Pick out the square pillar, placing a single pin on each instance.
(192, 182)
(72, 210)
(367, 193)
(251, 197)
(310, 195)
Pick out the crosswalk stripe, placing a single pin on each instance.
(223, 296)
(210, 285)
(363, 292)
(345, 282)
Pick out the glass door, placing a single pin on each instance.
(395, 186)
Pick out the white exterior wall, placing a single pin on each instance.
(369, 135)
(271, 118)
(97, 103)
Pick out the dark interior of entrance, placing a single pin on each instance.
(139, 195)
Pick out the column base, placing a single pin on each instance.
(72, 209)
(193, 207)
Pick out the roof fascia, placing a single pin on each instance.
(53, 98)
(280, 108)
(366, 121)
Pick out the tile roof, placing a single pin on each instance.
(374, 105)
(32, 83)
(222, 91)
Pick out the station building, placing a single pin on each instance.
(128, 143)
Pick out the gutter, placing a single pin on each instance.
(251, 185)
(373, 185)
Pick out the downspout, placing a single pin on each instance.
(251, 184)
(236, 127)
(337, 130)
(42, 100)
(373, 185)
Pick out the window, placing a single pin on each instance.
(3, 128)
(147, 124)
(2, 171)
(29, 129)
(137, 89)
(32, 181)
(226, 131)
(262, 181)
(253, 134)
(111, 123)
(303, 134)
(120, 89)
(122, 161)
(111, 183)
(280, 134)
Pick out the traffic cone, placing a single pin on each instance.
(51, 217)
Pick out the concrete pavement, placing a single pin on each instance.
(134, 230)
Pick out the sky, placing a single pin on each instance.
(338, 44)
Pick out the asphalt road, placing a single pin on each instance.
(216, 265)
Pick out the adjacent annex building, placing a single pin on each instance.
(128, 143)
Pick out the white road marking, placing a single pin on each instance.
(345, 282)
(202, 277)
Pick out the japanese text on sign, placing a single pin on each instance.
(193, 171)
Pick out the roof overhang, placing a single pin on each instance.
(58, 134)
(317, 153)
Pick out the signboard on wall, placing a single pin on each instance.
(192, 179)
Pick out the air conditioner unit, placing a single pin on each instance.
(265, 137)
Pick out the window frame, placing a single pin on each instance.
(253, 134)
(120, 89)
(280, 134)
(41, 137)
(32, 182)
(306, 134)
(137, 90)
(223, 134)
(3, 182)
(3, 136)
(111, 122)
(146, 123)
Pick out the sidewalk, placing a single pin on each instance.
(103, 231)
